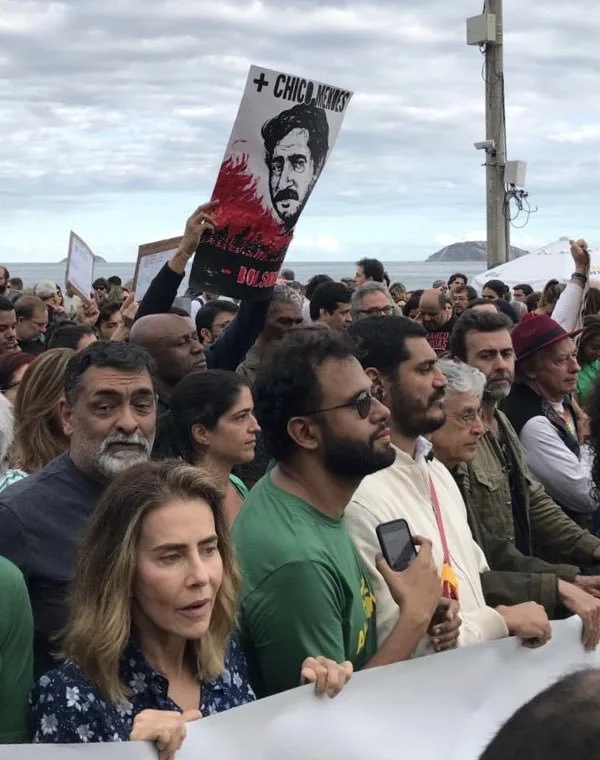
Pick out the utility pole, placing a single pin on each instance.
(486, 31)
(498, 229)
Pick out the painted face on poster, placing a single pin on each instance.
(296, 147)
(282, 137)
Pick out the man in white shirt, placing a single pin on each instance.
(403, 367)
(550, 428)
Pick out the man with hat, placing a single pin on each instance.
(550, 428)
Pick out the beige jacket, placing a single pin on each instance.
(402, 490)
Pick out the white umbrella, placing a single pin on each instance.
(552, 262)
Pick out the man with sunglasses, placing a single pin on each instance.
(305, 587)
(416, 487)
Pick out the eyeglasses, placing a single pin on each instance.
(362, 403)
(377, 311)
(466, 418)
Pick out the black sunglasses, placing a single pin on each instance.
(362, 403)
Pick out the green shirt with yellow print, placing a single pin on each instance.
(305, 590)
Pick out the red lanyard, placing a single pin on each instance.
(438, 518)
(449, 579)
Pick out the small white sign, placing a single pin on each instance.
(151, 259)
(80, 267)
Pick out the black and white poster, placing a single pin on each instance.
(283, 134)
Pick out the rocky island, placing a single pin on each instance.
(470, 251)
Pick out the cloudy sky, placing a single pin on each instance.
(114, 115)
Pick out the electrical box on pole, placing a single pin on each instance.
(481, 30)
(515, 173)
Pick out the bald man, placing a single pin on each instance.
(173, 343)
(437, 318)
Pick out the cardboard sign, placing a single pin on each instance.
(150, 260)
(283, 135)
(80, 267)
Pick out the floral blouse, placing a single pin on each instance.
(67, 708)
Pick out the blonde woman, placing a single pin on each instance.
(148, 643)
(39, 436)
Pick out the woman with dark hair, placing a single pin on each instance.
(495, 290)
(592, 302)
(411, 307)
(12, 369)
(211, 424)
(149, 642)
(533, 301)
(71, 335)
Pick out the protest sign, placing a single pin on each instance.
(283, 134)
(446, 705)
(80, 267)
(151, 259)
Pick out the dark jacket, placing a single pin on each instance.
(230, 349)
(515, 578)
(554, 537)
(42, 519)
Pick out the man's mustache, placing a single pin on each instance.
(286, 195)
(436, 396)
(500, 377)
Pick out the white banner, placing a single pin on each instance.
(445, 705)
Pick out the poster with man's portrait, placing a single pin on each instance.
(283, 134)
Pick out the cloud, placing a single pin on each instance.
(106, 104)
(321, 242)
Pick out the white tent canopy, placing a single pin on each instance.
(552, 262)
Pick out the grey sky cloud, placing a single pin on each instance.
(130, 96)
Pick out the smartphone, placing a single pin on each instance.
(396, 544)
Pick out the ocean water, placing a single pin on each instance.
(413, 274)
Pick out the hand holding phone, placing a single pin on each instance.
(417, 588)
(397, 545)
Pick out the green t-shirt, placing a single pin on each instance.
(586, 379)
(16, 654)
(305, 593)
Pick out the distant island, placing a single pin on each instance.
(97, 260)
(470, 251)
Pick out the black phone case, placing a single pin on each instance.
(380, 537)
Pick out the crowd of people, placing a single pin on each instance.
(191, 493)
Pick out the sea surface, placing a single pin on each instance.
(413, 274)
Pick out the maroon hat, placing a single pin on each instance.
(532, 335)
